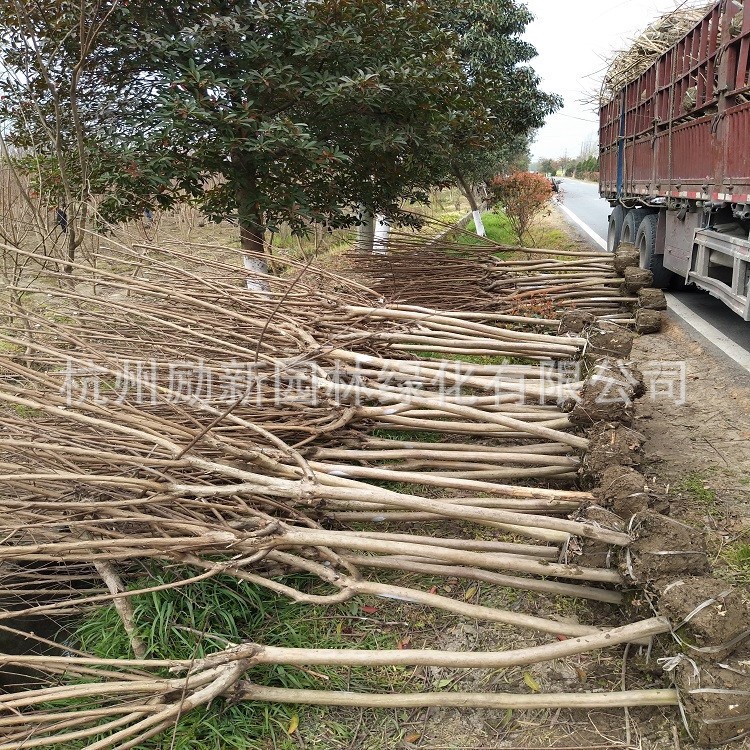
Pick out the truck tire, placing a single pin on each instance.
(614, 231)
(645, 241)
(633, 219)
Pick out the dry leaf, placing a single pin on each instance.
(293, 724)
(532, 684)
(369, 610)
(470, 593)
(412, 737)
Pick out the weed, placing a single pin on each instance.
(695, 486)
(736, 556)
(497, 228)
(478, 359)
(26, 412)
(415, 436)
(200, 619)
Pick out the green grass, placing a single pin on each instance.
(196, 620)
(477, 359)
(736, 557)
(695, 486)
(414, 436)
(543, 234)
(497, 228)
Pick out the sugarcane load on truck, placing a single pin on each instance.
(675, 150)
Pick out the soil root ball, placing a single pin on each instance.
(610, 341)
(715, 698)
(611, 445)
(608, 396)
(652, 299)
(636, 279)
(626, 256)
(588, 552)
(664, 547)
(576, 321)
(624, 490)
(708, 614)
(648, 321)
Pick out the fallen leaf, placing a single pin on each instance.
(470, 593)
(412, 737)
(339, 627)
(433, 590)
(405, 643)
(443, 683)
(582, 675)
(561, 637)
(369, 610)
(532, 684)
(293, 724)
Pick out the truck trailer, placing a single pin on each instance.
(675, 160)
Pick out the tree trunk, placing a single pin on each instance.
(469, 193)
(252, 230)
(366, 233)
(253, 260)
(380, 240)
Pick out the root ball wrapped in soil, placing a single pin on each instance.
(715, 699)
(710, 615)
(624, 490)
(664, 548)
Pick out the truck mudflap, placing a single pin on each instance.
(721, 266)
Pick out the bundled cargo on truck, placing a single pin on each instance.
(648, 46)
(674, 164)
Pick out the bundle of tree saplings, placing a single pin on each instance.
(531, 281)
(649, 45)
(157, 415)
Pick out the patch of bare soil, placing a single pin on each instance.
(696, 419)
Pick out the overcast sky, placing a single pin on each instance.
(573, 38)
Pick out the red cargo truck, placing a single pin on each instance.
(675, 160)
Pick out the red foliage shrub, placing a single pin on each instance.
(523, 196)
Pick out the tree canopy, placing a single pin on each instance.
(266, 112)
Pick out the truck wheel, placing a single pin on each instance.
(614, 232)
(633, 219)
(645, 241)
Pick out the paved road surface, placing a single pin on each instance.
(582, 199)
(705, 315)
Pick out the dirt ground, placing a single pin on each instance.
(696, 418)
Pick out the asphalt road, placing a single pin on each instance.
(582, 198)
(703, 314)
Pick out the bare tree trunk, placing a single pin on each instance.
(366, 232)
(380, 240)
(254, 258)
(469, 193)
(251, 241)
